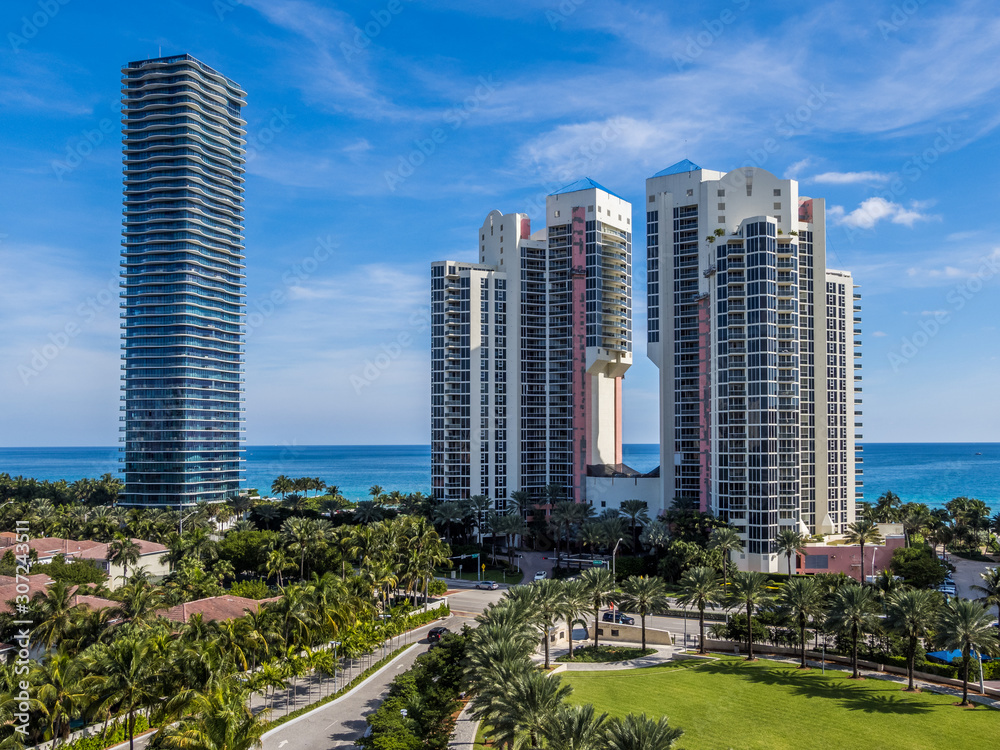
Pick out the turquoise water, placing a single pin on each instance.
(931, 473)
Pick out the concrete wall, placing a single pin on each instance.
(609, 631)
(609, 492)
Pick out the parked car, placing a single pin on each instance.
(434, 635)
(541, 575)
(488, 585)
(618, 617)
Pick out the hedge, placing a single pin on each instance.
(116, 734)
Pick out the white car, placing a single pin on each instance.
(541, 575)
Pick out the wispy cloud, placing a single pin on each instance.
(876, 209)
(850, 178)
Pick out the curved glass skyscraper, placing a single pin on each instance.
(183, 279)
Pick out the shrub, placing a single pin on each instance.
(589, 654)
(436, 587)
(737, 630)
(253, 589)
(78, 572)
(918, 566)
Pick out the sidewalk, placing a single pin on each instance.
(464, 736)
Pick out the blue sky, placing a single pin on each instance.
(886, 109)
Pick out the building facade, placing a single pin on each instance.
(528, 350)
(754, 339)
(183, 265)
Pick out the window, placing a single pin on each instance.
(722, 193)
(690, 192)
(722, 219)
(722, 206)
(651, 199)
(590, 209)
(817, 562)
(556, 214)
(777, 205)
(777, 191)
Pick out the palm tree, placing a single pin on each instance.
(376, 492)
(277, 562)
(560, 517)
(966, 626)
(789, 542)
(861, 533)
(304, 535)
(125, 552)
(990, 588)
(852, 611)
(910, 614)
(60, 693)
(641, 733)
(700, 587)
(637, 513)
(445, 514)
(282, 486)
(599, 586)
(56, 614)
(888, 508)
(546, 601)
(219, 719)
(124, 680)
(575, 728)
(366, 511)
(801, 599)
(575, 603)
(510, 525)
(727, 540)
(644, 596)
(750, 591)
(523, 708)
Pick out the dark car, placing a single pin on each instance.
(488, 585)
(618, 617)
(434, 635)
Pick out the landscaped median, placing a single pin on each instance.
(592, 655)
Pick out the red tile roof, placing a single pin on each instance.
(8, 588)
(226, 607)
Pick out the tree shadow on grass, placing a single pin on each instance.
(877, 698)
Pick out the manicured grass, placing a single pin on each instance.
(763, 705)
(588, 654)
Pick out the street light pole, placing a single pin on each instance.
(614, 567)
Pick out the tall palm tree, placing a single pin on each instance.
(376, 492)
(560, 518)
(522, 710)
(861, 533)
(599, 585)
(641, 733)
(547, 607)
(966, 626)
(789, 542)
(700, 586)
(125, 552)
(644, 595)
(637, 513)
(990, 588)
(124, 680)
(575, 728)
(888, 507)
(727, 540)
(852, 611)
(749, 591)
(304, 535)
(574, 604)
(911, 613)
(801, 599)
(276, 563)
(60, 694)
(282, 486)
(55, 613)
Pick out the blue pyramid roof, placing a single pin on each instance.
(585, 184)
(679, 168)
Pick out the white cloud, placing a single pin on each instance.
(875, 209)
(793, 172)
(879, 334)
(850, 178)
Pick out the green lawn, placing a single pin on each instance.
(730, 703)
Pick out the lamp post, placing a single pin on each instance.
(614, 568)
(180, 529)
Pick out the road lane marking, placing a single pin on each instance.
(282, 743)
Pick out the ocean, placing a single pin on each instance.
(931, 473)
